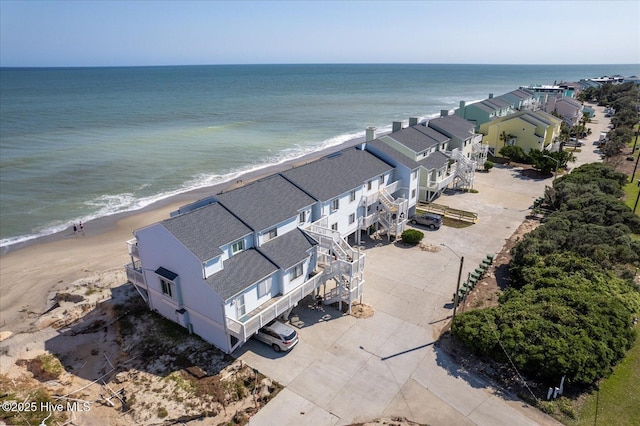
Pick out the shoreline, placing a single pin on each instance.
(32, 271)
(106, 223)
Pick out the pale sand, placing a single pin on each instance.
(30, 275)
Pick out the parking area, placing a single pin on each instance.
(347, 370)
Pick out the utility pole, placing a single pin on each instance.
(456, 299)
(635, 168)
(455, 303)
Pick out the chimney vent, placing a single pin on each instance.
(413, 121)
(397, 125)
(444, 112)
(370, 133)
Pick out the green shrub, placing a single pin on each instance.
(488, 165)
(412, 236)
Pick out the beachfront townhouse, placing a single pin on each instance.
(212, 267)
(226, 265)
(568, 108)
(527, 129)
(542, 93)
(484, 111)
(354, 190)
(423, 159)
(460, 131)
(521, 100)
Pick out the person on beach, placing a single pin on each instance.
(75, 229)
(82, 228)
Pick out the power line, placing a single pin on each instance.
(495, 331)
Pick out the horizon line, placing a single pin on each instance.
(300, 64)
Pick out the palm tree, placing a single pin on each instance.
(503, 138)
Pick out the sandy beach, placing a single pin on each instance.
(31, 273)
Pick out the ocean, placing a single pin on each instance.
(78, 144)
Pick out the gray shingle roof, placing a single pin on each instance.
(496, 103)
(434, 161)
(377, 145)
(432, 133)
(453, 126)
(537, 118)
(241, 271)
(483, 107)
(522, 93)
(417, 139)
(573, 102)
(204, 230)
(337, 173)
(288, 250)
(266, 202)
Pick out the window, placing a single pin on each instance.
(335, 226)
(264, 288)
(272, 233)
(415, 174)
(303, 217)
(237, 247)
(352, 196)
(413, 194)
(352, 218)
(167, 287)
(241, 309)
(335, 205)
(369, 185)
(382, 180)
(295, 272)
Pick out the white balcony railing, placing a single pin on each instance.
(134, 273)
(133, 248)
(243, 330)
(438, 185)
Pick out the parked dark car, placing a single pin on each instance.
(430, 220)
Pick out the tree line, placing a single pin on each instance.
(571, 301)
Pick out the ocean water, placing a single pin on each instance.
(82, 143)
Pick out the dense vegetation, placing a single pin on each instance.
(572, 299)
(545, 161)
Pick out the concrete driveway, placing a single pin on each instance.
(347, 370)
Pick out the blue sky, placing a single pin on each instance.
(114, 33)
